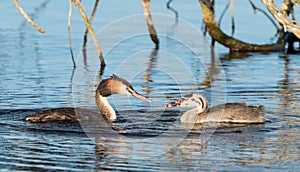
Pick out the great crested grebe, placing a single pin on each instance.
(229, 112)
(107, 87)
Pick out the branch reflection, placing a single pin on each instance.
(148, 72)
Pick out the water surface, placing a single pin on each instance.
(37, 73)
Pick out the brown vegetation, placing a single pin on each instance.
(213, 28)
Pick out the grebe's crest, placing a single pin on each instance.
(117, 85)
(123, 81)
(114, 85)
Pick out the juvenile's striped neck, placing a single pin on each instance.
(203, 105)
(200, 106)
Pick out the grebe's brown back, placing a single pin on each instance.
(107, 87)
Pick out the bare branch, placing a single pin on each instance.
(265, 13)
(230, 3)
(281, 17)
(90, 29)
(91, 19)
(69, 32)
(230, 42)
(172, 9)
(223, 13)
(151, 29)
(232, 16)
(27, 18)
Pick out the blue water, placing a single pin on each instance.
(37, 73)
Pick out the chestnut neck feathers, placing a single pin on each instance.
(113, 85)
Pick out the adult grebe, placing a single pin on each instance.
(107, 87)
(229, 112)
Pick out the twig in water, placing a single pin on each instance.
(230, 3)
(27, 18)
(69, 33)
(151, 29)
(265, 13)
(232, 16)
(91, 19)
(172, 9)
(90, 29)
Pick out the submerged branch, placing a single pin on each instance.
(172, 9)
(230, 42)
(151, 29)
(230, 3)
(91, 19)
(90, 29)
(232, 16)
(69, 33)
(27, 18)
(223, 13)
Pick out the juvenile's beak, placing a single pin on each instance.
(172, 104)
(137, 95)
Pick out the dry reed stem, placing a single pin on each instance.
(151, 29)
(27, 18)
(69, 32)
(91, 19)
(91, 30)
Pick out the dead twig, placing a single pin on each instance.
(265, 13)
(230, 42)
(281, 17)
(223, 13)
(27, 18)
(151, 29)
(172, 9)
(232, 16)
(69, 33)
(91, 19)
(230, 3)
(90, 29)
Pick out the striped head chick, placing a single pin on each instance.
(191, 101)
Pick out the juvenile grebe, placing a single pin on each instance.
(107, 87)
(229, 112)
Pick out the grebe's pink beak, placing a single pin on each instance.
(172, 104)
(137, 95)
